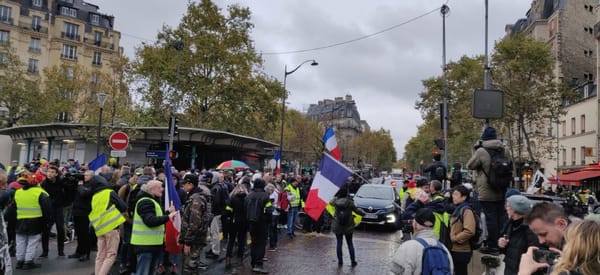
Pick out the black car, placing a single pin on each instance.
(380, 203)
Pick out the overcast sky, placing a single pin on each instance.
(383, 73)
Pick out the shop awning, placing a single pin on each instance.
(576, 177)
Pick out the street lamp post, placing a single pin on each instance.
(101, 99)
(312, 63)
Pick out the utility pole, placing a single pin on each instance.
(444, 11)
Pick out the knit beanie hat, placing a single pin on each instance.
(520, 204)
(511, 192)
(489, 133)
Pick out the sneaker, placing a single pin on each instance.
(211, 255)
(174, 269)
(272, 249)
(354, 263)
(260, 269)
(265, 259)
(161, 269)
(202, 265)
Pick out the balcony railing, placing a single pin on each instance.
(71, 36)
(35, 50)
(64, 56)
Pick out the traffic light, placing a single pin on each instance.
(173, 127)
(173, 154)
(439, 143)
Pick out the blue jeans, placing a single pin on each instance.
(495, 217)
(147, 263)
(291, 219)
(340, 238)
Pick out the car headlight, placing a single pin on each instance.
(389, 208)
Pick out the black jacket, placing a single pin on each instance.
(145, 209)
(35, 225)
(82, 205)
(239, 213)
(57, 191)
(520, 238)
(256, 205)
(431, 170)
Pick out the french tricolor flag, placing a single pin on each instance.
(331, 143)
(331, 176)
(172, 228)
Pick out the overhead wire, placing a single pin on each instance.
(354, 39)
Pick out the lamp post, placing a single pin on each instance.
(312, 63)
(101, 99)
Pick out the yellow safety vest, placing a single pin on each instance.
(296, 191)
(17, 168)
(104, 220)
(141, 234)
(401, 192)
(28, 202)
(439, 219)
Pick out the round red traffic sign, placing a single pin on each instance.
(118, 141)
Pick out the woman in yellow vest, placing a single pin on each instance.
(106, 217)
(33, 210)
(148, 232)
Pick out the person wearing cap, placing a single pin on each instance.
(195, 221)
(409, 194)
(408, 257)
(34, 208)
(258, 214)
(516, 236)
(491, 199)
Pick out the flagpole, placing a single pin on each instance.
(352, 171)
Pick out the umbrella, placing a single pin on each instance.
(232, 164)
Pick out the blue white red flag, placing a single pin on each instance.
(331, 176)
(331, 143)
(277, 158)
(98, 162)
(172, 228)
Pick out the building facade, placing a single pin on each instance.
(568, 28)
(47, 33)
(342, 113)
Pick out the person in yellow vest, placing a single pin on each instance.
(106, 218)
(148, 232)
(33, 208)
(293, 195)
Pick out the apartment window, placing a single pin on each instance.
(97, 60)
(71, 31)
(3, 58)
(36, 23)
(582, 123)
(95, 19)
(37, 3)
(582, 154)
(33, 66)
(4, 37)
(97, 38)
(5, 14)
(69, 73)
(95, 78)
(563, 125)
(63, 117)
(572, 126)
(35, 45)
(66, 11)
(66, 94)
(573, 156)
(564, 157)
(69, 52)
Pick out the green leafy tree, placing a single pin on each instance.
(19, 91)
(522, 67)
(377, 148)
(208, 70)
(463, 76)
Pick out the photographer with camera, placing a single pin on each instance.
(549, 222)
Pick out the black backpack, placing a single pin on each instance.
(440, 172)
(343, 216)
(500, 174)
(477, 240)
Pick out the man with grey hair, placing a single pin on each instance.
(147, 234)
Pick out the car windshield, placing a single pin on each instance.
(372, 192)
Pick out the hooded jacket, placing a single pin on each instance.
(408, 259)
(480, 162)
(344, 203)
(145, 209)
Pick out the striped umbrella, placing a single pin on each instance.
(232, 165)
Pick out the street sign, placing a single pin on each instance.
(118, 141)
(155, 154)
(118, 153)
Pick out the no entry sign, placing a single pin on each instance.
(118, 141)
